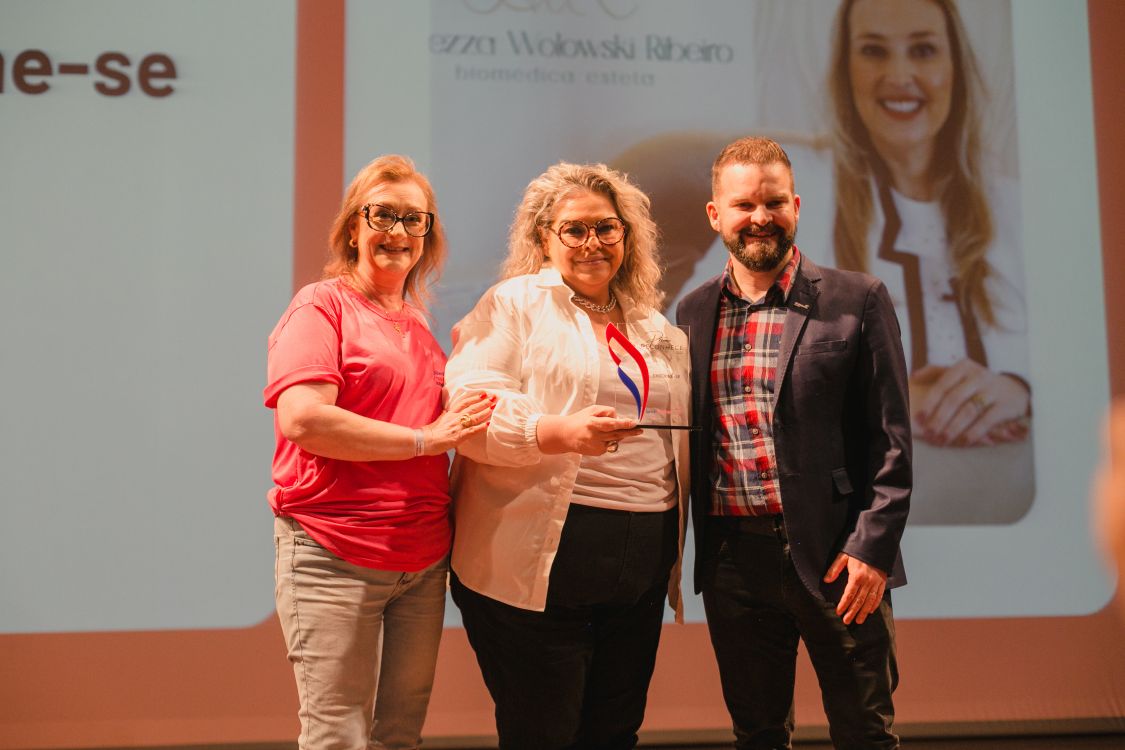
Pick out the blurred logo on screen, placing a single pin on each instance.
(613, 8)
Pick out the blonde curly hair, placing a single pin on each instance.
(639, 275)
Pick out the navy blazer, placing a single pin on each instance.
(841, 423)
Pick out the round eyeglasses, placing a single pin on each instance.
(609, 231)
(383, 219)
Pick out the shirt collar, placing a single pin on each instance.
(549, 277)
(782, 285)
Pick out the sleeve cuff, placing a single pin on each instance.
(531, 431)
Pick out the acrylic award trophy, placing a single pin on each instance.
(653, 368)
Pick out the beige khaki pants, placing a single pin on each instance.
(363, 644)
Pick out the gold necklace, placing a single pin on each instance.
(354, 284)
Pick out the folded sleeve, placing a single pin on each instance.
(305, 347)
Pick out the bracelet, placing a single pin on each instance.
(419, 442)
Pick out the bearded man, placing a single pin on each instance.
(801, 475)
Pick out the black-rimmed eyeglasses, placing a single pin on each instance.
(609, 231)
(383, 219)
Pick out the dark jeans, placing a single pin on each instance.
(757, 610)
(577, 674)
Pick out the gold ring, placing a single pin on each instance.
(466, 420)
(611, 446)
(979, 402)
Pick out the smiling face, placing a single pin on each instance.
(901, 70)
(385, 258)
(755, 211)
(587, 269)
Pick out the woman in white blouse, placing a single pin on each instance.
(569, 517)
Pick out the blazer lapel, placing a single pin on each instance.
(801, 301)
(702, 320)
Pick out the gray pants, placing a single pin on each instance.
(363, 644)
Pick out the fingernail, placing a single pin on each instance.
(484, 395)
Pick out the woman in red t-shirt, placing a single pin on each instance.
(361, 494)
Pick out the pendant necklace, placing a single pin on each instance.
(384, 312)
(396, 324)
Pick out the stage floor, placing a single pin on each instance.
(1051, 742)
(1084, 742)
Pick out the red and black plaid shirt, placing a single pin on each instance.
(743, 367)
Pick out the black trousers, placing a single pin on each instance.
(757, 611)
(577, 674)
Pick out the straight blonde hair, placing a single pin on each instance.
(954, 171)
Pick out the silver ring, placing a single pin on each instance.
(611, 446)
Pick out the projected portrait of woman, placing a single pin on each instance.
(913, 207)
(897, 181)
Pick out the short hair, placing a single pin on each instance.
(750, 149)
(388, 168)
(639, 275)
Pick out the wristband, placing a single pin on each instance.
(419, 442)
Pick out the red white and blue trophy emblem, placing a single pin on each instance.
(637, 374)
(640, 394)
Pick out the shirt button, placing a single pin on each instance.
(764, 474)
(747, 389)
(755, 431)
(748, 348)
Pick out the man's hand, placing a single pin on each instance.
(864, 590)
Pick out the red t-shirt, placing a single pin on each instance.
(391, 515)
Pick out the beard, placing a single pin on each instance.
(761, 256)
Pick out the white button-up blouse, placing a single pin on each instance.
(528, 344)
